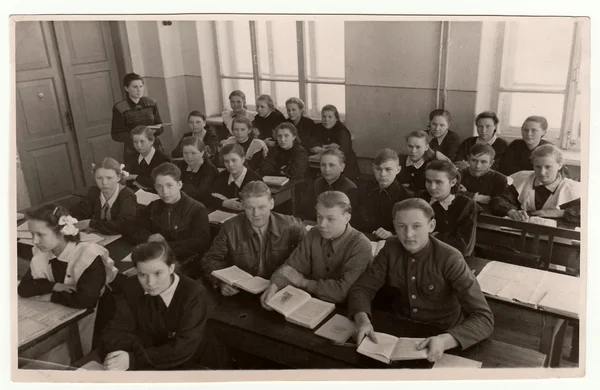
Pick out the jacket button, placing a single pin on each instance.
(413, 278)
(415, 310)
(412, 260)
(413, 296)
(431, 287)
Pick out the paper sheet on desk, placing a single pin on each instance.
(145, 197)
(23, 227)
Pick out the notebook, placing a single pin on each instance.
(338, 329)
(219, 216)
(390, 348)
(237, 277)
(276, 181)
(376, 246)
(299, 308)
(145, 197)
(453, 361)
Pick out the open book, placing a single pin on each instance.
(219, 216)
(237, 277)
(376, 246)
(453, 361)
(390, 348)
(299, 308)
(145, 197)
(338, 329)
(276, 181)
(540, 289)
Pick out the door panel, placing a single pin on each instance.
(53, 169)
(88, 62)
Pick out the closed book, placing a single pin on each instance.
(237, 277)
(390, 348)
(276, 181)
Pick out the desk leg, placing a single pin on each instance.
(552, 340)
(74, 343)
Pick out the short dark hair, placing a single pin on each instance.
(538, 119)
(449, 168)
(198, 114)
(333, 151)
(482, 148)
(239, 94)
(242, 119)
(143, 130)
(488, 115)
(414, 204)
(331, 199)
(255, 189)
(167, 169)
(440, 112)
(50, 214)
(332, 108)
(296, 101)
(386, 155)
(193, 141)
(287, 126)
(130, 78)
(233, 148)
(152, 250)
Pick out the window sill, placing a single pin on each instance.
(217, 120)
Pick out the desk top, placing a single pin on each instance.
(241, 322)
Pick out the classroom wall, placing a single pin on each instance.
(23, 201)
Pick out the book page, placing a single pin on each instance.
(511, 281)
(145, 198)
(219, 216)
(383, 349)
(406, 349)
(560, 293)
(231, 275)
(288, 299)
(453, 361)
(311, 313)
(338, 329)
(254, 285)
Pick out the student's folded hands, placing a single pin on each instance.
(518, 215)
(548, 213)
(295, 277)
(61, 287)
(382, 234)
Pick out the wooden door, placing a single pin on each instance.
(46, 143)
(92, 81)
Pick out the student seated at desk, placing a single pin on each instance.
(237, 101)
(376, 200)
(455, 214)
(160, 321)
(331, 256)
(109, 206)
(175, 218)
(258, 241)
(443, 139)
(304, 125)
(287, 158)
(197, 125)
(540, 192)
(517, 156)
(255, 149)
(423, 279)
(140, 165)
(487, 127)
(197, 171)
(478, 180)
(332, 163)
(267, 120)
(225, 189)
(412, 173)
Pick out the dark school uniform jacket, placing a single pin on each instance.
(499, 146)
(449, 145)
(229, 191)
(340, 135)
(306, 131)
(517, 157)
(491, 183)
(143, 169)
(210, 139)
(266, 125)
(293, 162)
(198, 184)
(375, 206)
(411, 176)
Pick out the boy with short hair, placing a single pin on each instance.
(425, 280)
(478, 180)
(332, 163)
(377, 199)
(331, 256)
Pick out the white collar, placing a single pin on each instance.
(189, 169)
(112, 199)
(417, 164)
(148, 158)
(167, 295)
(552, 186)
(490, 142)
(239, 180)
(446, 202)
(66, 253)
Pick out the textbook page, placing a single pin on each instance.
(145, 197)
(288, 299)
(338, 329)
(511, 281)
(254, 285)
(231, 275)
(406, 349)
(561, 293)
(453, 361)
(381, 351)
(311, 313)
(219, 216)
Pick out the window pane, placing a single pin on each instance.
(321, 94)
(246, 86)
(514, 108)
(538, 53)
(235, 52)
(277, 49)
(324, 42)
(280, 92)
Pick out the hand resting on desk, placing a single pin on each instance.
(117, 361)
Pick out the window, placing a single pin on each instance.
(284, 59)
(539, 76)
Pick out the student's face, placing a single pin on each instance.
(192, 156)
(480, 164)
(412, 229)
(438, 184)
(331, 222)
(135, 90)
(486, 128)
(196, 124)
(328, 119)
(240, 132)
(385, 173)
(532, 133)
(438, 126)
(106, 179)
(262, 108)
(155, 275)
(331, 167)
(546, 169)
(142, 144)
(285, 138)
(237, 104)
(233, 163)
(44, 238)
(167, 188)
(258, 209)
(416, 148)
(294, 112)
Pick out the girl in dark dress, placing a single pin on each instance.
(487, 130)
(268, 118)
(288, 158)
(517, 156)
(412, 173)
(443, 140)
(304, 125)
(197, 125)
(255, 149)
(197, 172)
(141, 164)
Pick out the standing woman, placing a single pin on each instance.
(133, 111)
(110, 205)
(487, 129)
(517, 156)
(197, 172)
(237, 101)
(331, 132)
(197, 125)
(160, 321)
(288, 158)
(304, 125)
(267, 119)
(443, 140)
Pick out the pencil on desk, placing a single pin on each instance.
(541, 297)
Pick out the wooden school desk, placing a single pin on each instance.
(242, 324)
